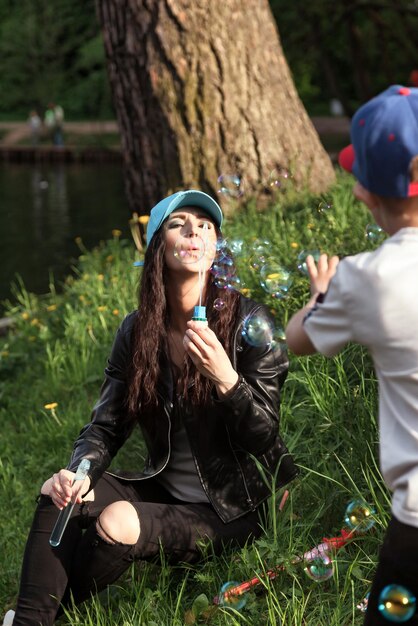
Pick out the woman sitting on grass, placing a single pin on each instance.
(207, 403)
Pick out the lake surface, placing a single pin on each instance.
(44, 207)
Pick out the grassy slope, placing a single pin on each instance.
(57, 353)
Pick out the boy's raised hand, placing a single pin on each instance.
(321, 273)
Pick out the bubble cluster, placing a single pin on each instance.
(397, 603)
(236, 602)
(230, 186)
(319, 567)
(359, 516)
(301, 260)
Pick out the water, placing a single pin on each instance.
(44, 207)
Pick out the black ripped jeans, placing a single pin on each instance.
(83, 563)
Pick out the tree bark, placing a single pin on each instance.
(202, 88)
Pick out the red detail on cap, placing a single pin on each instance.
(413, 189)
(346, 158)
(391, 137)
(361, 122)
(404, 91)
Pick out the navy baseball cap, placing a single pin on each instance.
(190, 198)
(384, 135)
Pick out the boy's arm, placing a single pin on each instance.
(319, 275)
(296, 337)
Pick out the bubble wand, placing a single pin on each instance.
(199, 312)
(321, 551)
(65, 513)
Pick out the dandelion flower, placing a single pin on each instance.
(143, 219)
(100, 276)
(116, 232)
(294, 244)
(25, 315)
(51, 307)
(102, 308)
(51, 406)
(115, 311)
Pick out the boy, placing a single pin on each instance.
(372, 299)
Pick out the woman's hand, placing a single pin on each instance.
(62, 491)
(209, 356)
(321, 273)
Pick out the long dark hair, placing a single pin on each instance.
(150, 333)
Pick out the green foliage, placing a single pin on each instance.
(52, 52)
(349, 51)
(56, 354)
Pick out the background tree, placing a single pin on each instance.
(347, 50)
(200, 89)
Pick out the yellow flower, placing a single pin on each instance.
(101, 308)
(245, 291)
(310, 225)
(81, 298)
(25, 315)
(294, 244)
(116, 232)
(100, 276)
(35, 322)
(51, 307)
(51, 406)
(114, 279)
(143, 219)
(109, 258)
(115, 311)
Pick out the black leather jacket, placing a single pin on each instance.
(235, 440)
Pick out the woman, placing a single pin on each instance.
(207, 404)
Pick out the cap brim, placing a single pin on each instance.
(347, 157)
(196, 199)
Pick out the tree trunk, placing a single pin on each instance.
(202, 88)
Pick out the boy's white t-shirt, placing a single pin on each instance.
(373, 300)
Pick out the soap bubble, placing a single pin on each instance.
(319, 567)
(260, 251)
(230, 185)
(219, 304)
(359, 516)
(236, 602)
(278, 179)
(301, 260)
(275, 279)
(257, 330)
(324, 206)
(278, 338)
(397, 603)
(190, 249)
(236, 246)
(375, 233)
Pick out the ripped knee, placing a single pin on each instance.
(119, 524)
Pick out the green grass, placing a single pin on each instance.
(57, 352)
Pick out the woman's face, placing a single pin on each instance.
(190, 237)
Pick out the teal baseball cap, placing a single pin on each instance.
(189, 198)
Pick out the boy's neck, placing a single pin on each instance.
(393, 215)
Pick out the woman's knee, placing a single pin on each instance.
(119, 523)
